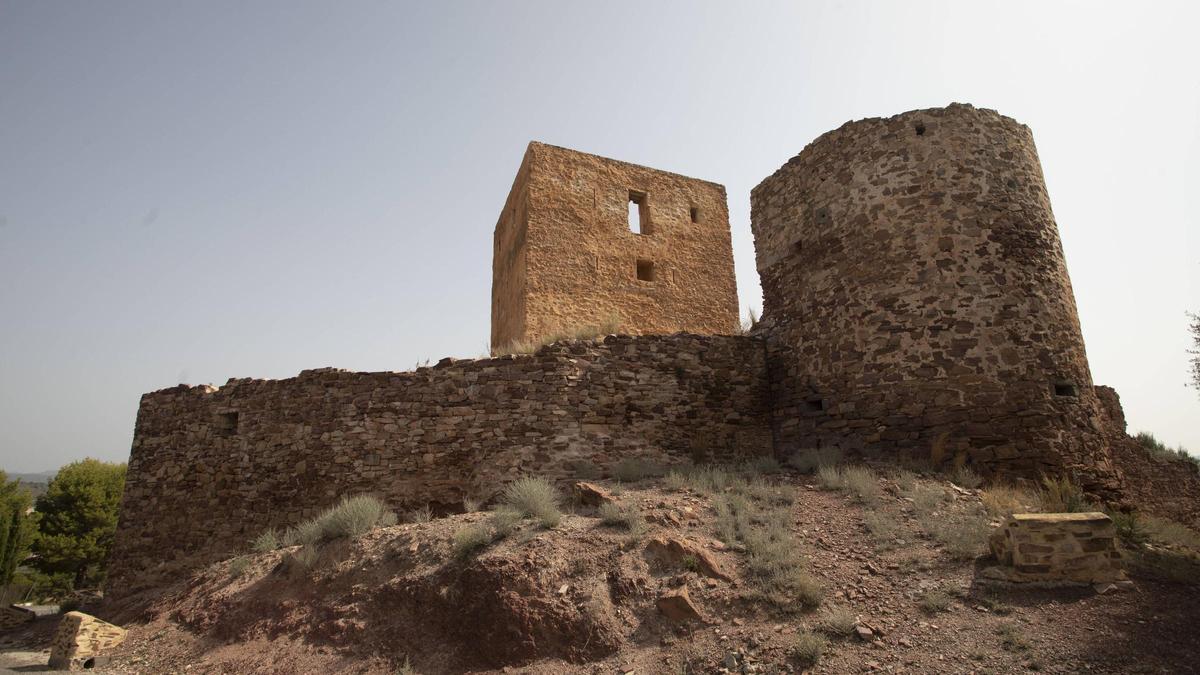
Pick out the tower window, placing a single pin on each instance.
(920, 128)
(815, 405)
(639, 214)
(694, 214)
(1064, 389)
(645, 270)
(226, 423)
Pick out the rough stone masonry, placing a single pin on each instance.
(916, 304)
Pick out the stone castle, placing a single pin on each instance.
(916, 306)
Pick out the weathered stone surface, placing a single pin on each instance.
(1067, 547)
(677, 552)
(677, 605)
(13, 616)
(565, 256)
(80, 637)
(918, 300)
(213, 467)
(590, 494)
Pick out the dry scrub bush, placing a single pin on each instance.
(808, 648)
(534, 498)
(883, 527)
(633, 469)
(238, 566)
(676, 481)
(267, 541)
(470, 539)
(963, 476)
(471, 504)
(927, 497)
(1063, 495)
(1011, 638)
(807, 461)
(963, 535)
(859, 481)
(305, 557)
(905, 480)
(619, 516)
(838, 621)
(349, 518)
(421, 515)
(935, 601)
(1002, 500)
(761, 465)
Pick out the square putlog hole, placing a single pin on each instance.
(645, 270)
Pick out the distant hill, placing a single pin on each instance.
(36, 482)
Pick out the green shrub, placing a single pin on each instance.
(267, 541)
(1011, 638)
(503, 521)
(534, 498)
(733, 517)
(808, 648)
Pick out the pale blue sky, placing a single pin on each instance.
(192, 191)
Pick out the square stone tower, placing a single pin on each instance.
(584, 238)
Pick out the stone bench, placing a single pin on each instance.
(1057, 547)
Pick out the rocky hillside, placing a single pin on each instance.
(710, 571)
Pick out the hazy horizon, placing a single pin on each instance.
(198, 191)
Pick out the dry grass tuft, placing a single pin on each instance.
(808, 461)
(1063, 495)
(808, 648)
(935, 601)
(634, 469)
(534, 498)
(421, 515)
(1002, 500)
(267, 541)
(838, 621)
(619, 516)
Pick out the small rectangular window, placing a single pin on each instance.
(1064, 389)
(815, 405)
(694, 214)
(226, 423)
(645, 270)
(639, 214)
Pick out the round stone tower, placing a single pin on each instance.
(917, 300)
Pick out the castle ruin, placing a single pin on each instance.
(916, 306)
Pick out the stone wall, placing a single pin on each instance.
(565, 257)
(917, 301)
(212, 467)
(1167, 486)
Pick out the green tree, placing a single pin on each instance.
(16, 527)
(78, 516)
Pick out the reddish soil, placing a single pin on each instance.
(582, 599)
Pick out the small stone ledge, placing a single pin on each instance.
(1056, 548)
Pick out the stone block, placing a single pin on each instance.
(81, 637)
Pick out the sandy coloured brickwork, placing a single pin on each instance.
(565, 256)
